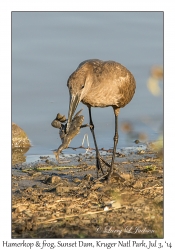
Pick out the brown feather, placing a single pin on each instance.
(107, 83)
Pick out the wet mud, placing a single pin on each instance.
(65, 200)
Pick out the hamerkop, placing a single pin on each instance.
(98, 83)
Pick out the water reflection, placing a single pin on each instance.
(18, 155)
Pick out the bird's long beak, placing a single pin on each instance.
(74, 100)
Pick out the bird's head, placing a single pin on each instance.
(78, 85)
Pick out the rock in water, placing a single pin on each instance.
(19, 137)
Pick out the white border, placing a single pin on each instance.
(5, 93)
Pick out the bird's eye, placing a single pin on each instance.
(82, 86)
(70, 88)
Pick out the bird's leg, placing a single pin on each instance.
(114, 148)
(98, 163)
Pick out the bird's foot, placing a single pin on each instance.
(99, 165)
(107, 177)
(100, 162)
(113, 174)
(104, 162)
(101, 177)
(110, 173)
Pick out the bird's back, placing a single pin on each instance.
(112, 83)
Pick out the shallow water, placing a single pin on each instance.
(48, 46)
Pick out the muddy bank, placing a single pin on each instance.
(51, 200)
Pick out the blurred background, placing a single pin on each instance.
(48, 46)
